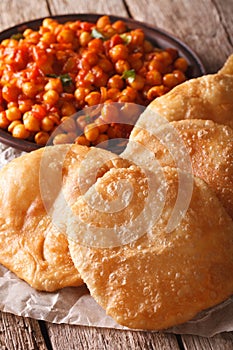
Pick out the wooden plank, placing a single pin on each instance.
(20, 333)
(223, 341)
(15, 12)
(90, 6)
(107, 339)
(206, 26)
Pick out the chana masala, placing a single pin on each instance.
(47, 76)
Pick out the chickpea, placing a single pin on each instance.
(113, 94)
(27, 32)
(10, 93)
(181, 64)
(101, 80)
(47, 124)
(96, 45)
(13, 113)
(20, 132)
(123, 99)
(155, 64)
(13, 124)
(121, 66)
(118, 52)
(137, 37)
(154, 77)
(41, 138)
(48, 23)
(138, 83)
(61, 139)
(48, 38)
(164, 57)
(130, 112)
(31, 123)
(25, 105)
(68, 124)
(12, 104)
(102, 141)
(130, 93)
(93, 98)
(173, 53)
(156, 91)
(68, 109)
(4, 122)
(72, 136)
(89, 78)
(82, 140)
(170, 80)
(55, 119)
(116, 82)
(80, 93)
(51, 97)
(85, 38)
(120, 27)
(102, 22)
(109, 31)
(91, 57)
(91, 132)
(112, 133)
(30, 89)
(54, 84)
(148, 47)
(110, 113)
(106, 65)
(82, 121)
(102, 125)
(103, 93)
(65, 36)
(179, 76)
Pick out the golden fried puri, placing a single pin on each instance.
(209, 146)
(227, 67)
(207, 97)
(30, 245)
(159, 278)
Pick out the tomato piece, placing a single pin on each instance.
(86, 26)
(39, 111)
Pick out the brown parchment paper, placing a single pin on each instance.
(76, 306)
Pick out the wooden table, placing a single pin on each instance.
(207, 27)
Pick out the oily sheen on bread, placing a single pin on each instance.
(30, 245)
(162, 277)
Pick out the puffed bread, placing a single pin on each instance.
(31, 242)
(227, 67)
(162, 278)
(30, 245)
(209, 146)
(207, 97)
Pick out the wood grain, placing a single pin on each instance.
(15, 12)
(107, 339)
(206, 26)
(223, 341)
(20, 333)
(91, 6)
